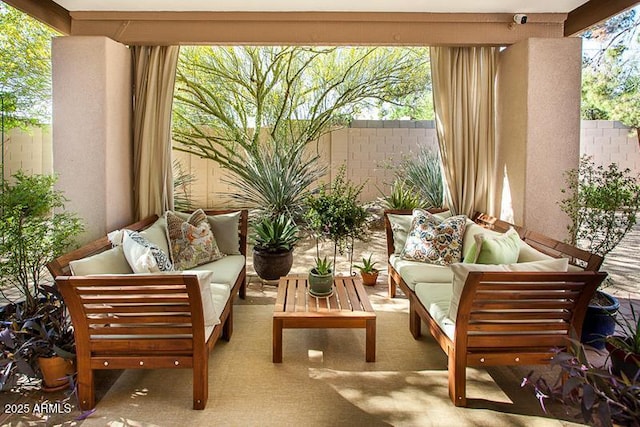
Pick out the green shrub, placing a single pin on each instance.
(403, 197)
(34, 229)
(602, 204)
(335, 214)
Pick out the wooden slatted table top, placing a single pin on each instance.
(348, 299)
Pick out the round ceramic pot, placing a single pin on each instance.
(320, 285)
(600, 321)
(272, 266)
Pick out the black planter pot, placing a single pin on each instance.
(599, 322)
(272, 266)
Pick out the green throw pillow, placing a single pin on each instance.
(503, 249)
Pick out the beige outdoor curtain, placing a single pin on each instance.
(155, 75)
(463, 93)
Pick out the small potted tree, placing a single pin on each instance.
(602, 205)
(275, 239)
(335, 214)
(368, 271)
(34, 229)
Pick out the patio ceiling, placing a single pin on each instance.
(384, 22)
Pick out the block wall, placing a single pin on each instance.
(366, 148)
(28, 150)
(610, 142)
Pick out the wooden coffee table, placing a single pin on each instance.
(347, 307)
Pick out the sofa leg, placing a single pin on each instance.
(86, 390)
(392, 287)
(200, 381)
(227, 329)
(457, 380)
(415, 323)
(242, 291)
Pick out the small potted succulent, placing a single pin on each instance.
(321, 278)
(368, 271)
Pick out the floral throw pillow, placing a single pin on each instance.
(191, 242)
(433, 240)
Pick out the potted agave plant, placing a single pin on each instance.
(368, 271)
(321, 278)
(274, 239)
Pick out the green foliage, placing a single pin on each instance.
(627, 335)
(602, 204)
(367, 266)
(25, 74)
(276, 179)
(258, 111)
(47, 332)
(34, 229)
(279, 234)
(599, 397)
(335, 214)
(418, 181)
(611, 77)
(402, 196)
(424, 174)
(182, 181)
(322, 267)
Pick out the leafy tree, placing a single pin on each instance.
(258, 111)
(611, 76)
(25, 74)
(610, 91)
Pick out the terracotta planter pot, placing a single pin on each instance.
(54, 372)
(369, 279)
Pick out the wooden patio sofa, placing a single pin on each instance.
(506, 318)
(142, 321)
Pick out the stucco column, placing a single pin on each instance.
(92, 136)
(538, 129)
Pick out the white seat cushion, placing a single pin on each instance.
(111, 261)
(436, 298)
(225, 270)
(529, 254)
(413, 272)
